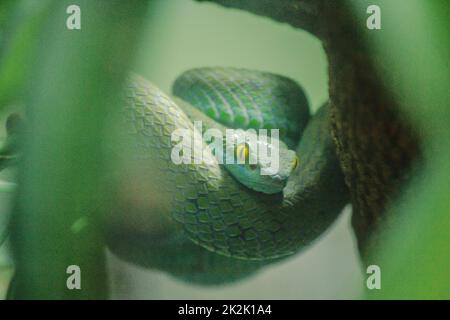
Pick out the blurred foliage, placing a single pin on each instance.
(20, 24)
(68, 80)
(414, 44)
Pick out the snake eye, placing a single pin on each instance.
(242, 153)
(253, 167)
(295, 163)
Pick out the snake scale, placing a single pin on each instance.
(203, 206)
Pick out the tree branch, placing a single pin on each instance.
(376, 144)
(298, 13)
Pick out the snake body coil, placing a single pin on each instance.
(203, 202)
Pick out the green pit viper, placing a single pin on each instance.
(210, 206)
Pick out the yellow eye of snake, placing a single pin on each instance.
(295, 163)
(243, 152)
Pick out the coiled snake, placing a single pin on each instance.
(204, 202)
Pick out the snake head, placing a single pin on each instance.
(262, 166)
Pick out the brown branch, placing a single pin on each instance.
(298, 13)
(375, 143)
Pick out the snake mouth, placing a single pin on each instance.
(277, 177)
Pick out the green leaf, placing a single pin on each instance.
(74, 85)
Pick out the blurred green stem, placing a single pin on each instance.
(75, 83)
(8, 187)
